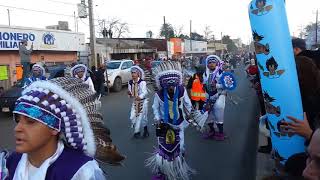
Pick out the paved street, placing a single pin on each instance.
(232, 159)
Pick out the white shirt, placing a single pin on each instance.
(26, 171)
(32, 171)
(90, 83)
(142, 89)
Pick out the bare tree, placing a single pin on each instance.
(113, 28)
(121, 29)
(207, 32)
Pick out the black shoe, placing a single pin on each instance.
(265, 149)
(136, 135)
(145, 132)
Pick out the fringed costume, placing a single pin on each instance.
(216, 97)
(170, 107)
(137, 90)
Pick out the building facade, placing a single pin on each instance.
(217, 48)
(49, 46)
(192, 47)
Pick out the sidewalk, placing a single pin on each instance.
(264, 161)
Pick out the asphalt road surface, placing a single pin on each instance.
(232, 159)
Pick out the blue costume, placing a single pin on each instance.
(41, 75)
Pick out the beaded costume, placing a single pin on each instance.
(34, 78)
(170, 107)
(86, 78)
(139, 108)
(68, 106)
(216, 96)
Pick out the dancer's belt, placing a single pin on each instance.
(163, 128)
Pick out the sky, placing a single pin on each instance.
(226, 17)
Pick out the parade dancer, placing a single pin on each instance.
(38, 73)
(137, 90)
(170, 107)
(80, 71)
(59, 133)
(216, 97)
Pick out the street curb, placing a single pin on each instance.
(265, 163)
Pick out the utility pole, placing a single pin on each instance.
(301, 31)
(317, 27)
(92, 35)
(222, 53)
(9, 17)
(166, 34)
(75, 21)
(190, 36)
(105, 35)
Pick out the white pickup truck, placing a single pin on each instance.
(119, 73)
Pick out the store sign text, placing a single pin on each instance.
(11, 40)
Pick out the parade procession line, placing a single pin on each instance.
(234, 158)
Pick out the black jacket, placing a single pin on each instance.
(309, 81)
(314, 55)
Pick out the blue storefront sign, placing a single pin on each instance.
(11, 40)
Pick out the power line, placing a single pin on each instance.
(24, 9)
(59, 14)
(84, 22)
(73, 4)
(61, 2)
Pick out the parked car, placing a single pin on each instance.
(9, 97)
(119, 73)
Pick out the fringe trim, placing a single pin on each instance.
(200, 119)
(4, 172)
(143, 116)
(173, 170)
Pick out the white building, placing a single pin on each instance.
(195, 47)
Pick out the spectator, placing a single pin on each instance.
(305, 164)
(295, 165)
(148, 64)
(93, 76)
(25, 57)
(299, 48)
(101, 80)
(1, 91)
(312, 170)
(309, 81)
(233, 62)
(253, 74)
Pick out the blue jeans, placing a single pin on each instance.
(26, 70)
